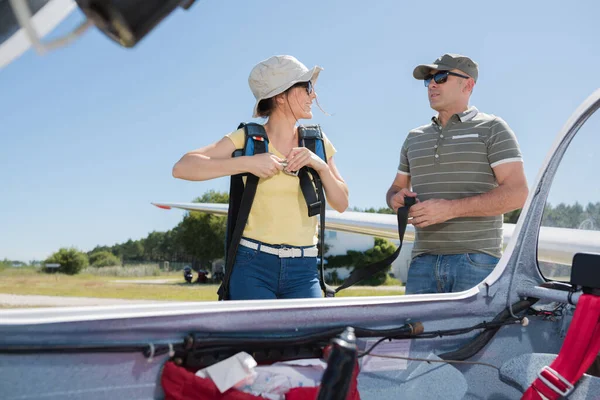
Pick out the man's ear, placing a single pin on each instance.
(469, 85)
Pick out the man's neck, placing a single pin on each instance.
(445, 115)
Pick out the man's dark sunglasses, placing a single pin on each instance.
(441, 77)
(307, 85)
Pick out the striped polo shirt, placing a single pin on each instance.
(454, 162)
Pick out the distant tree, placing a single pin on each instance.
(326, 247)
(71, 260)
(572, 216)
(384, 210)
(152, 246)
(101, 259)
(512, 217)
(132, 251)
(380, 210)
(382, 248)
(592, 212)
(98, 249)
(170, 248)
(202, 236)
(212, 196)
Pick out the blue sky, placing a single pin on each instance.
(90, 132)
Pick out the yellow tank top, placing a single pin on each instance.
(279, 214)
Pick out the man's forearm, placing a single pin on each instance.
(499, 200)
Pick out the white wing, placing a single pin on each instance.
(556, 245)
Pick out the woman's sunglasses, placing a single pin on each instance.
(307, 85)
(441, 77)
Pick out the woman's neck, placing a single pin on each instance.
(280, 127)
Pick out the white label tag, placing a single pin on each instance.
(475, 135)
(225, 374)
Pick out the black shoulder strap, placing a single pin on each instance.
(241, 198)
(327, 290)
(364, 272)
(311, 137)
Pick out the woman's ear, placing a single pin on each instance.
(280, 98)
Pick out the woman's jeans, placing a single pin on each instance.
(259, 275)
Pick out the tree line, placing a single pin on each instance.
(199, 238)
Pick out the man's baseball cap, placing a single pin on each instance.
(448, 62)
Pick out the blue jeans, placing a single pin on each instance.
(258, 275)
(429, 273)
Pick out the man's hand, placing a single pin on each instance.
(397, 200)
(265, 165)
(430, 212)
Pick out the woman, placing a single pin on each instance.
(284, 92)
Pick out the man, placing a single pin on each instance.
(465, 168)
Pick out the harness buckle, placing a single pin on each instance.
(284, 164)
(568, 385)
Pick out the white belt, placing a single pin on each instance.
(283, 252)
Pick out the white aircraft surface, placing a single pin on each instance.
(555, 245)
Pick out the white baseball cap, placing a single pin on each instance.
(277, 74)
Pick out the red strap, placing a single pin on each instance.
(580, 348)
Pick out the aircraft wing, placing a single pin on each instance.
(380, 225)
(556, 245)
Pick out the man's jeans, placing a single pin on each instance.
(430, 273)
(258, 275)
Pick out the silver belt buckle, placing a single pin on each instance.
(284, 164)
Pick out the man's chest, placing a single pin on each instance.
(457, 150)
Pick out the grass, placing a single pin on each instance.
(389, 281)
(104, 287)
(28, 281)
(129, 271)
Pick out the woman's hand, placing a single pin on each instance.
(301, 156)
(265, 165)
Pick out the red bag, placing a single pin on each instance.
(180, 384)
